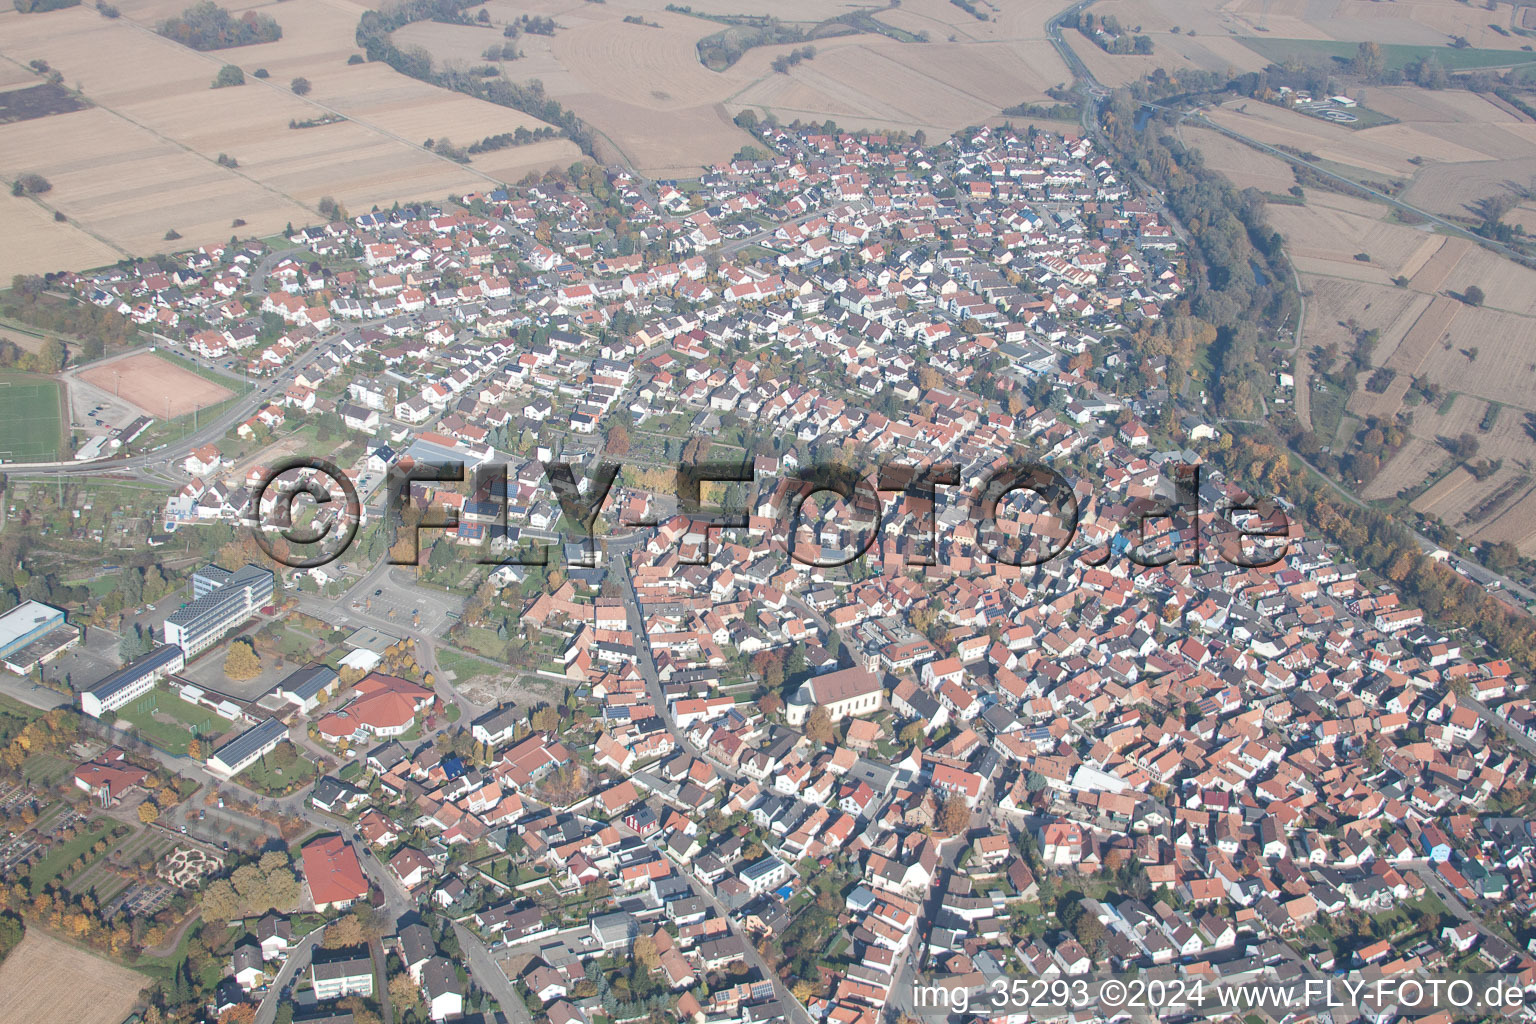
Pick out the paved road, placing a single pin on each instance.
(298, 960)
(489, 975)
(30, 693)
(618, 568)
(1515, 736)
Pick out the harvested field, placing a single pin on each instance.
(1244, 166)
(45, 979)
(158, 387)
(1386, 151)
(35, 242)
(1489, 355)
(1422, 338)
(143, 160)
(1335, 300)
(1516, 523)
(1327, 233)
(1419, 459)
(1506, 285)
(1467, 147)
(1435, 271)
(1450, 189)
(646, 93)
(1446, 494)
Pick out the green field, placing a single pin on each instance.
(1396, 55)
(172, 738)
(31, 429)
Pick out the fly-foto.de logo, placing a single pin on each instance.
(1021, 513)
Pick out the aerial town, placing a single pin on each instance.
(590, 755)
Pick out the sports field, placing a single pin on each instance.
(29, 419)
(156, 386)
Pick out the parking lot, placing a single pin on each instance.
(92, 659)
(394, 602)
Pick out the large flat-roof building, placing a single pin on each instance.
(241, 752)
(132, 681)
(222, 600)
(33, 632)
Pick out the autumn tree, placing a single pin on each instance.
(242, 661)
(148, 812)
(618, 439)
(954, 816)
(818, 727)
(344, 932)
(403, 993)
(645, 953)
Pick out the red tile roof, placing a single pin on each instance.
(332, 871)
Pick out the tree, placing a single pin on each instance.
(30, 184)
(300, 86)
(403, 993)
(242, 662)
(229, 74)
(1369, 62)
(618, 439)
(645, 953)
(344, 932)
(954, 816)
(818, 727)
(148, 812)
(911, 734)
(1473, 296)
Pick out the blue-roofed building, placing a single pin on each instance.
(309, 686)
(132, 681)
(223, 601)
(244, 750)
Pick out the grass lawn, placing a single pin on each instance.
(31, 429)
(47, 769)
(171, 737)
(264, 777)
(1395, 55)
(63, 854)
(1327, 411)
(463, 666)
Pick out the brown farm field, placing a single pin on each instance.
(158, 387)
(644, 90)
(1450, 148)
(144, 159)
(45, 979)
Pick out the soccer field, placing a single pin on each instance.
(29, 419)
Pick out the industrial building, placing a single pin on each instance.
(32, 633)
